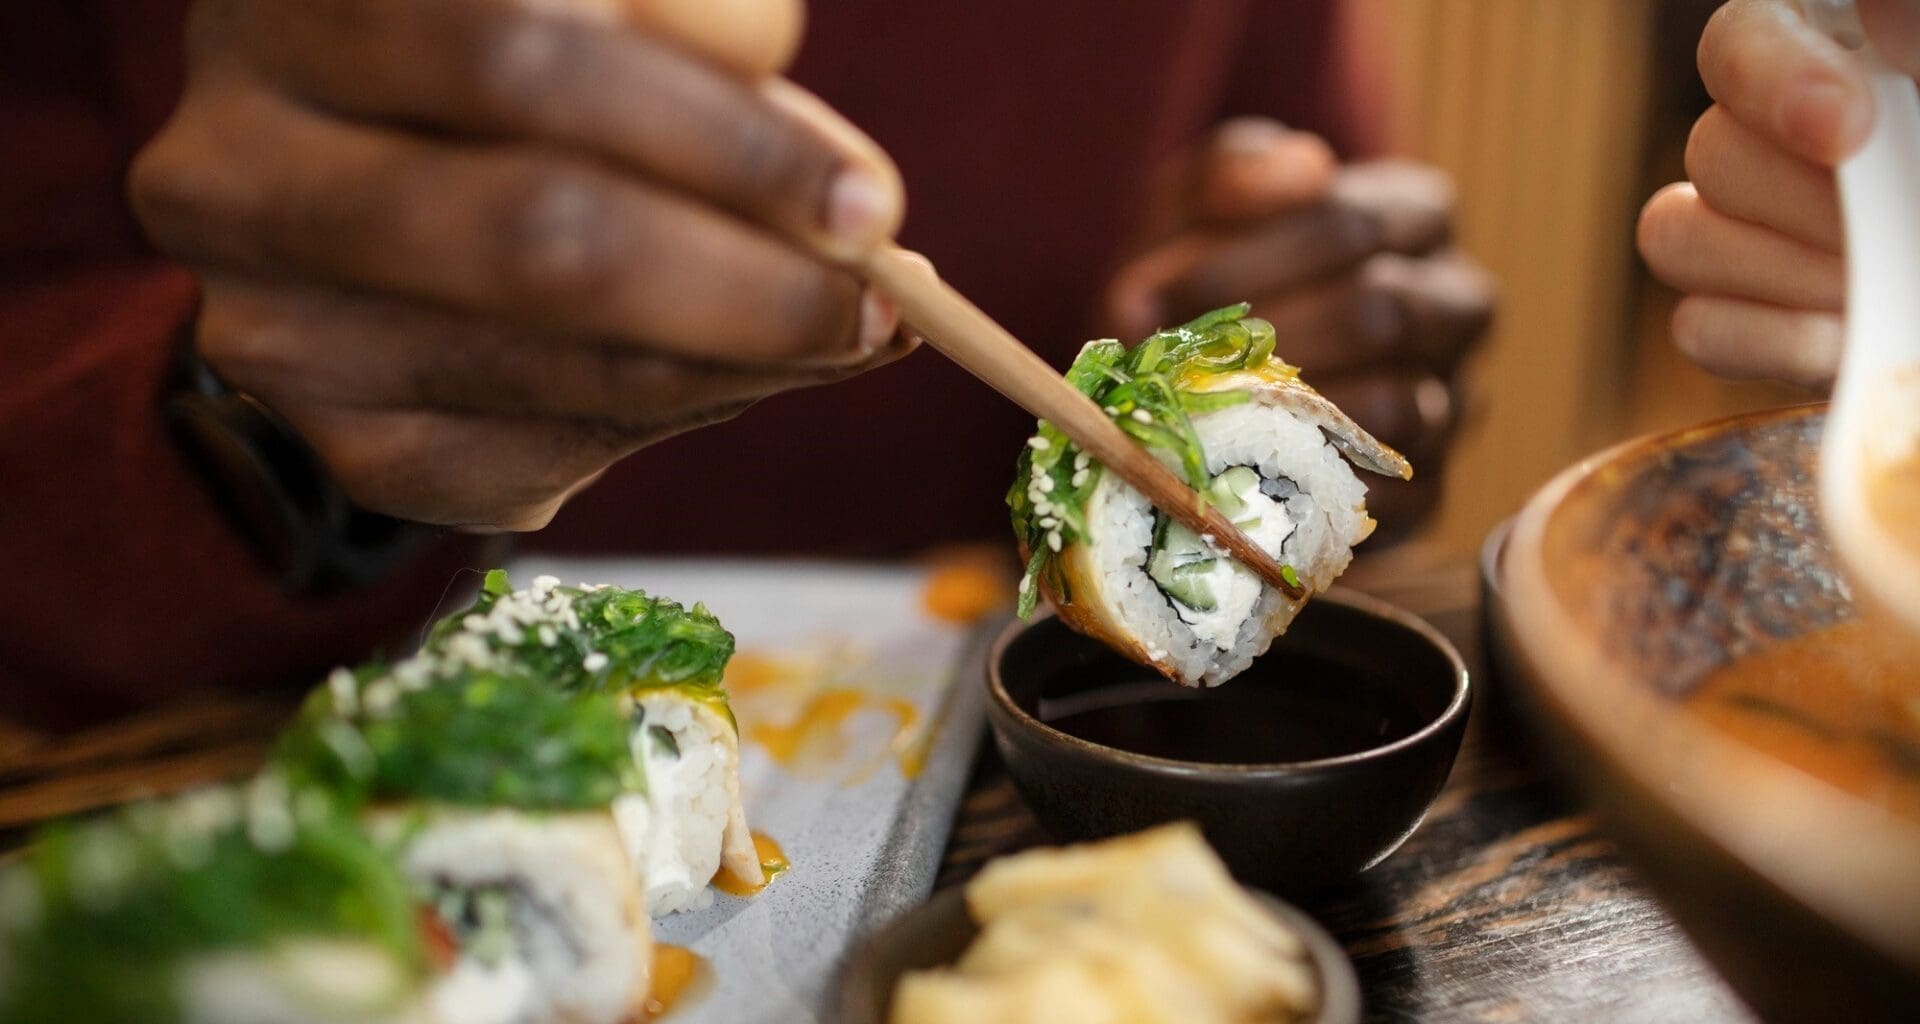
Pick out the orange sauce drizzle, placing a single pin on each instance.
(773, 864)
(1841, 704)
(1273, 371)
(790, 709)
(822, 718)
(675, 971)
(964, 593)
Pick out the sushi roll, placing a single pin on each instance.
(1210, 400)
(224, 906)
(492, 793)
(662, 663)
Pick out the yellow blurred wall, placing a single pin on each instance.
(1537, 109)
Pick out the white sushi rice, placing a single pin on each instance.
(1313, 530)
(308, 981)
(581, 945)
(675, 833)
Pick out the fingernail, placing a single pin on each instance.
(860, 209)
(879, 319)
(1825, 118)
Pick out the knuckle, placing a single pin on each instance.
(552, 238)
(165, 187)
(772, 161)
(514, 62)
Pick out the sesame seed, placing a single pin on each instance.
(1038, 444)
(1053, 539)
(1082, 460)
(594, 662)
(1140, 416)
(1049, 522)
(1080, 477)
(346, 690)
(1046, 484)
(380, 696)
(1113, 410)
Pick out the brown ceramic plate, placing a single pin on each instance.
(935, 935)
(1625, 581)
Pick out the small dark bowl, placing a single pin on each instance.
(1287, 825)
(935, 934)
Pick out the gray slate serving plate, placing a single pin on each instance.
(864, 816)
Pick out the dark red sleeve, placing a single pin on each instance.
(1315, 65)
(121, 584)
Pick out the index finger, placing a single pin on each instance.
(1786, 79)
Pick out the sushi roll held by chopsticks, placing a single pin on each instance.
(1211, 401)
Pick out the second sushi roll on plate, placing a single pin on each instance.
(1211, 401)
(661, 663)
(491, 792)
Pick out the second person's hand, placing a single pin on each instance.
(1753, 238)
(1353, 265)
(475, 251)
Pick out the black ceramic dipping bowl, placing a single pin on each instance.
(936, 933)
(1307, 769)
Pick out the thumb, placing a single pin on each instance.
(1254, 167)
(1894, 28)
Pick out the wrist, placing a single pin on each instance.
(277, 492)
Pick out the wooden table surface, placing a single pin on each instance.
(1505, 905)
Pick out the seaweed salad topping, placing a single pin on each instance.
(591, 638)
(483, 737)
(519, 700)
(98, 913)
(1151, 391)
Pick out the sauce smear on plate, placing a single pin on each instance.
(773, 862)
(675, 971)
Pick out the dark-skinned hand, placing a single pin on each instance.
(475, 251)
(1355, 267)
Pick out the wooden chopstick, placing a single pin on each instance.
(969, 337)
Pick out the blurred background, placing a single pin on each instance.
(1557, 118)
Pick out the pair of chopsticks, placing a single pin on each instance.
(969, 337)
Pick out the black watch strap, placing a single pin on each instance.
(278, 493)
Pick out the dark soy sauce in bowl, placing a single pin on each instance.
(1300, 708)
(1303, 771)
